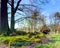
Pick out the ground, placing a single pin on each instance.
(53, 43)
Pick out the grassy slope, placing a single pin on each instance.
(55, 43)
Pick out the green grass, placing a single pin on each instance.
(54, 44)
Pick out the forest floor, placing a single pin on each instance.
(53, 43)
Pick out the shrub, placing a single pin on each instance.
(41, 35)
(21, 32)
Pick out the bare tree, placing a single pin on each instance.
(57, 21)
(18, 7)
(13, 11)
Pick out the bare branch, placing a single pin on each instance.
(20, 14)
(21, 19)
(25, 8)
(27, 17)
(28, 5)
(17, 6)
(20, 9)
(9, 4)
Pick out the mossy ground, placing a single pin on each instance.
(53, 43)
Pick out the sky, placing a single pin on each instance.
(48, 9)
(52, 6)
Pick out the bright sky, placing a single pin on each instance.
(52, 6)
(48, 9)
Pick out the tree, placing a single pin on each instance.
(34, 17)
(14, 10)
(4, 17)
(57, 17)
(57, 21)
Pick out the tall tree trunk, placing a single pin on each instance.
(12, 17)
(4, 17)
(13, 11)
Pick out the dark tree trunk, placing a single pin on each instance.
(13, 11)
(4, 18)
(12, 16)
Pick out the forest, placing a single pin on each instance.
(29, 24)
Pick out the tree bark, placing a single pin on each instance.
(13, 11)
(4, 17)
(12, 16)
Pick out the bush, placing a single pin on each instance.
(41, 35)
(35, 33)
(21, 33)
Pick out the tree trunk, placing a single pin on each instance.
(13, 11)
(4, 18)
(12, 17)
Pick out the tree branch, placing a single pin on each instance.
(9, 4)
(17, 6)
(27, 5)
(27, 17)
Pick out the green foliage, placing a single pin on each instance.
(48, 45)
(41, 35)
(25, 40)
(39, 46)
(55, 43)
(22, 39)
(21, 43)
(17, 43)
(19, 40)
(1, 35)
(23, 47)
